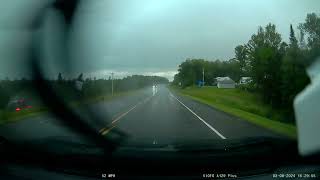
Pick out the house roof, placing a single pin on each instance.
(225, 80)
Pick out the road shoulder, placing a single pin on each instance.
(280, 128)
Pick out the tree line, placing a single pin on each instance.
(277, 68)
(66, 88)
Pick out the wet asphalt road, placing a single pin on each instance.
(164, 116)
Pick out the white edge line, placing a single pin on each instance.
(207, 124)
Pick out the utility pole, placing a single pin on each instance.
(202, 76)
(112, 83)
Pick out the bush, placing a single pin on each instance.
(250, 87)
(4, 98)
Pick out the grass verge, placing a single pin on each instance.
(13, 116)
(242, 104)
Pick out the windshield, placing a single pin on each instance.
(144, 74)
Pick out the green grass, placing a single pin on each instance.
(247, 106)
(12, 116)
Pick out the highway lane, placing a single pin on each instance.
(168, 117)
(162, 117)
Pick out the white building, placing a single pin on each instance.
(225, 82)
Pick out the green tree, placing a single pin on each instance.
(311, 28)
(4, 97)
(294, 77)
(241, 56)
(293, 39)
(190, 71)
(187, 74)
(60, 78)
(264, 56)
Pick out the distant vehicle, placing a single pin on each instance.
(18, 104)
(200, 83)
(245, 80)
(154, 89)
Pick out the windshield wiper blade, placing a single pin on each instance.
(65, 114)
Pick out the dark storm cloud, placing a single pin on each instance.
(146, 36)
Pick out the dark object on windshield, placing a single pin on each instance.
(51, 99)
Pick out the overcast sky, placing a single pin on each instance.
(144, 36)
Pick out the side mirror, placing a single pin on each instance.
(307, 112)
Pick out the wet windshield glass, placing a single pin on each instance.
(154, 72)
